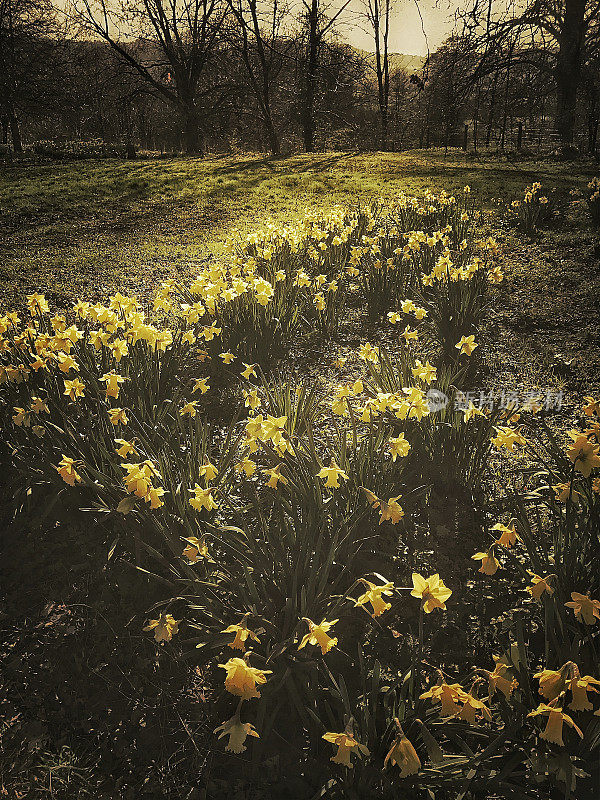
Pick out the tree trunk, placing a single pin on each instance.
(592, 120)
(568, 69)
(15, 133)
(308, 116)
(273, 138)
(492, 109)
(191, 133)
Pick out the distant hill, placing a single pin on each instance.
(398, 61)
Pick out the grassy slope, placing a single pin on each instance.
(77, 228)
(74, 229)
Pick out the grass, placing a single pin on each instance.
(78, 228)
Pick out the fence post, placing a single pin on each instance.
(465, 138)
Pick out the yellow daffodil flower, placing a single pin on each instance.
(346, 744)
(402, 754)
(237, 731)
(66, 470)
(432, 591)
(318, 635)
(195, 550)
(374, 596)
(556, 718)
(241, 679)
(466, 345)
(165, 627)
(242, 633)
(202, 498)
(332, 475)
(489, 562)
(399, 447)
(586, 610)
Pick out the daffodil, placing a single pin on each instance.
(249, 371)
(119, 349)
(399, 446)
(425, 372)
(552, 682)
(118, 416)
(210, 331)
(202, 498)
(113, 383)
(241, 679)
(579, 687)
(346, 745)
(74, 388)
(38, 405)
(154, 495)
(556, 718)
(448, 694)
(66, 470)
(368, 353)
(586, 610)
(501, 679)
(332, 475)
(66, 363)
(318, 635)
(409, 335)
(489, 562)
(201, 385)
(165, 627)
(507, 437)
(466, 345)
(208, 471)
(402, 754)
(508, 535)
(471, 411)
(251, 399)
(538, 586)
(391, 511)
(583, 454)
(275, 476)
(565, 493)
(374, 596)
(432, 591)
(37, 305)
(592, 406)
(190, 408)
(247, 466)
(195, 549)
(242, 633)
(227, 357)
(472, 709)
(237, 731)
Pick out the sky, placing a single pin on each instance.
(409, 33)
(417, 27)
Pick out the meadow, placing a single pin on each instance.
(302, 493)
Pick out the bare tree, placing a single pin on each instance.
(26, 46)
(262, 50)
(318, 20)
(184, 39)
(378, 14)
(566, 31)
